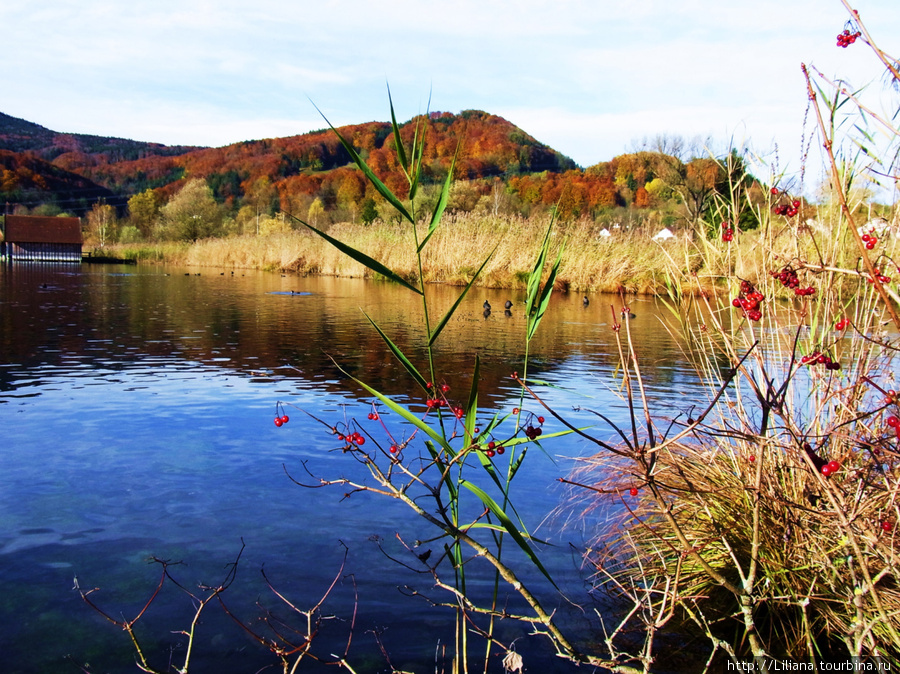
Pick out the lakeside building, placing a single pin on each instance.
(30, 238)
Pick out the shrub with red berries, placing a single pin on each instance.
(788, 209)
(819, 358)
(881, 277)
(727, 231)
(870, 240)
(749, 301)
(789, 279)
(845, 38)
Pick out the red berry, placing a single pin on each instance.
(394, 449)
(774, 190)
(887, 527)
(834, 466)
(826, 470)
(445, 388)
(500, 449)
(492, 444)
(360, 440)
(893, 421)
(752, 458)
(489, 453)
(633, 491)
(285, 419)
(371, 415)
(515, 410)
(278, 421)
(540, 420)
(796, 203)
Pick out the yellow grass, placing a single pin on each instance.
(629, 262)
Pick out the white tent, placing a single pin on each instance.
(664, 234)
(876, 226)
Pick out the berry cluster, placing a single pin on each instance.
(788, 209)
(280, 417)
(355, 438)
(842, 324)
(788, 278)
(870, 240)
(492, 449)
(530, 430)
(830, 468)
(749, 300)
(819, 358)
(727, 231)
(846, 38)
(437, 398)
(881, 277)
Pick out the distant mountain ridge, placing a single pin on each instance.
(20, 135)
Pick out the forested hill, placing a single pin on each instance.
(488, 146)
(498, 166)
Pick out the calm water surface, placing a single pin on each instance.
(136, 408)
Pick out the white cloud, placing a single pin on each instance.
(586, 77)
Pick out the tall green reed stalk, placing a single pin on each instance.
(456, 458)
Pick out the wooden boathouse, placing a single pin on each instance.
(41, 239)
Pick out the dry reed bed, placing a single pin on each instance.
(630, 262)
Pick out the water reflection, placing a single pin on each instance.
(136, 405)
(255, 322)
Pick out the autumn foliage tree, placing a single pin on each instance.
(143, 211)
(191, 214)
(102, 224)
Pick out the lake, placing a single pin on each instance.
(137, 408)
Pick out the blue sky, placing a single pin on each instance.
(589, 78)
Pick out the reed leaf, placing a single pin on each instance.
(407, 415)
(441, 204)
(420, 380)
(534, 320)
(401, 151)
(443, 322)
(508, 525)
(383, 189)
(361, 257)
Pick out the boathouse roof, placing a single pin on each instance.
(42, 229)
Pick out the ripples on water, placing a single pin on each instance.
(137, 408)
